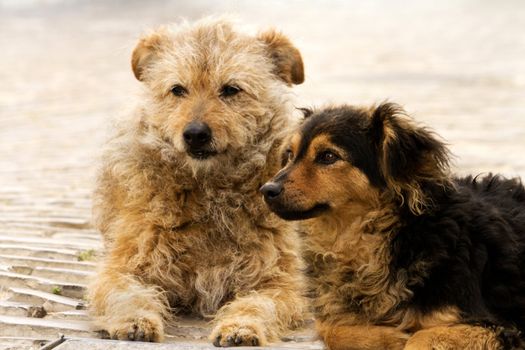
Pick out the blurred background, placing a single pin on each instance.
(456, 65)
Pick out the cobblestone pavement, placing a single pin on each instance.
(458, 66)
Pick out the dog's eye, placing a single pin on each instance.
(287, 157)
(229, 90)
(327, 157)
(179, 90)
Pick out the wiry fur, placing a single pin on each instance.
(193, 236)
(397, 248)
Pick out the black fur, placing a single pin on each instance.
(474, 238)
(471, 235)
(334, 122)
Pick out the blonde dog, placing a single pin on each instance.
(177, 200)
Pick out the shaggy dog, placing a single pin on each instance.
(396, 246)
(185, 228)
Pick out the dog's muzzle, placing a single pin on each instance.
(272, 192)
(197, 137)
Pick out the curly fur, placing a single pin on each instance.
(399, 248)
(193, 236)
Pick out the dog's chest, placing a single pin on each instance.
(349, 273)
(220, 209)
(204, 266)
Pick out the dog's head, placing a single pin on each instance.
(357, 157)
(211, 90)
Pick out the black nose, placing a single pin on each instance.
(196, 134)
(271, 190)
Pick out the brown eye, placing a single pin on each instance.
(229, 90)
(179, 90)
(287, 157)
(326, 158)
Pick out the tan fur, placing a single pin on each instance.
(358, 305)
(304, 183)
(415, 320)
(287, 58)
(462, 337)
(362, 337)
(194, 236)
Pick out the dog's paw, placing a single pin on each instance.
(237, 334)
(139, 329)
(510, 338)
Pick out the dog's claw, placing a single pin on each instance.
(104, 334)
(233, 335)
(230, 340)
(217, 341)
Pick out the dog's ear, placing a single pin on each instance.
(286, 58)
(410, 157)
(147, 49)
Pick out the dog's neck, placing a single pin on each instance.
(340, 232)
(357, 250)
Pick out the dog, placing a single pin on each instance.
(401, 253)
(185, 229)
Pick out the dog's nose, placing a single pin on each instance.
(271, 190)
(196, 134)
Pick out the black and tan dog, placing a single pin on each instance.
(402, 254)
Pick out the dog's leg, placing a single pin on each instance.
(127, 309)
(362, 337)
(258, 317)
(464, 337)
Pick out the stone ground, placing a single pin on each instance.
(64, 73)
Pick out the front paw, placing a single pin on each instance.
(238, 334)
(139, 329)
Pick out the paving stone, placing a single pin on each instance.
(13, 308)
(12, 260)
(80, 344)
(21, 343)
(80, 315)
(36, 241)
(44, 252)
(66, 275)
(52, 302)
(19, 280)
(43, 328)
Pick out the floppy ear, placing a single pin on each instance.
(286, 58)
(147, 50)
(411, 158)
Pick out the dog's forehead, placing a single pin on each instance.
(314, 131)
(210, 63)
(342, 124)
(310, 144)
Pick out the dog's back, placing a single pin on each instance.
(501, 226)
(475, 240)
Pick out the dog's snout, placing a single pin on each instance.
(196, 134)
(271, 190)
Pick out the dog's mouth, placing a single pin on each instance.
(201, 154)
(299, 214)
